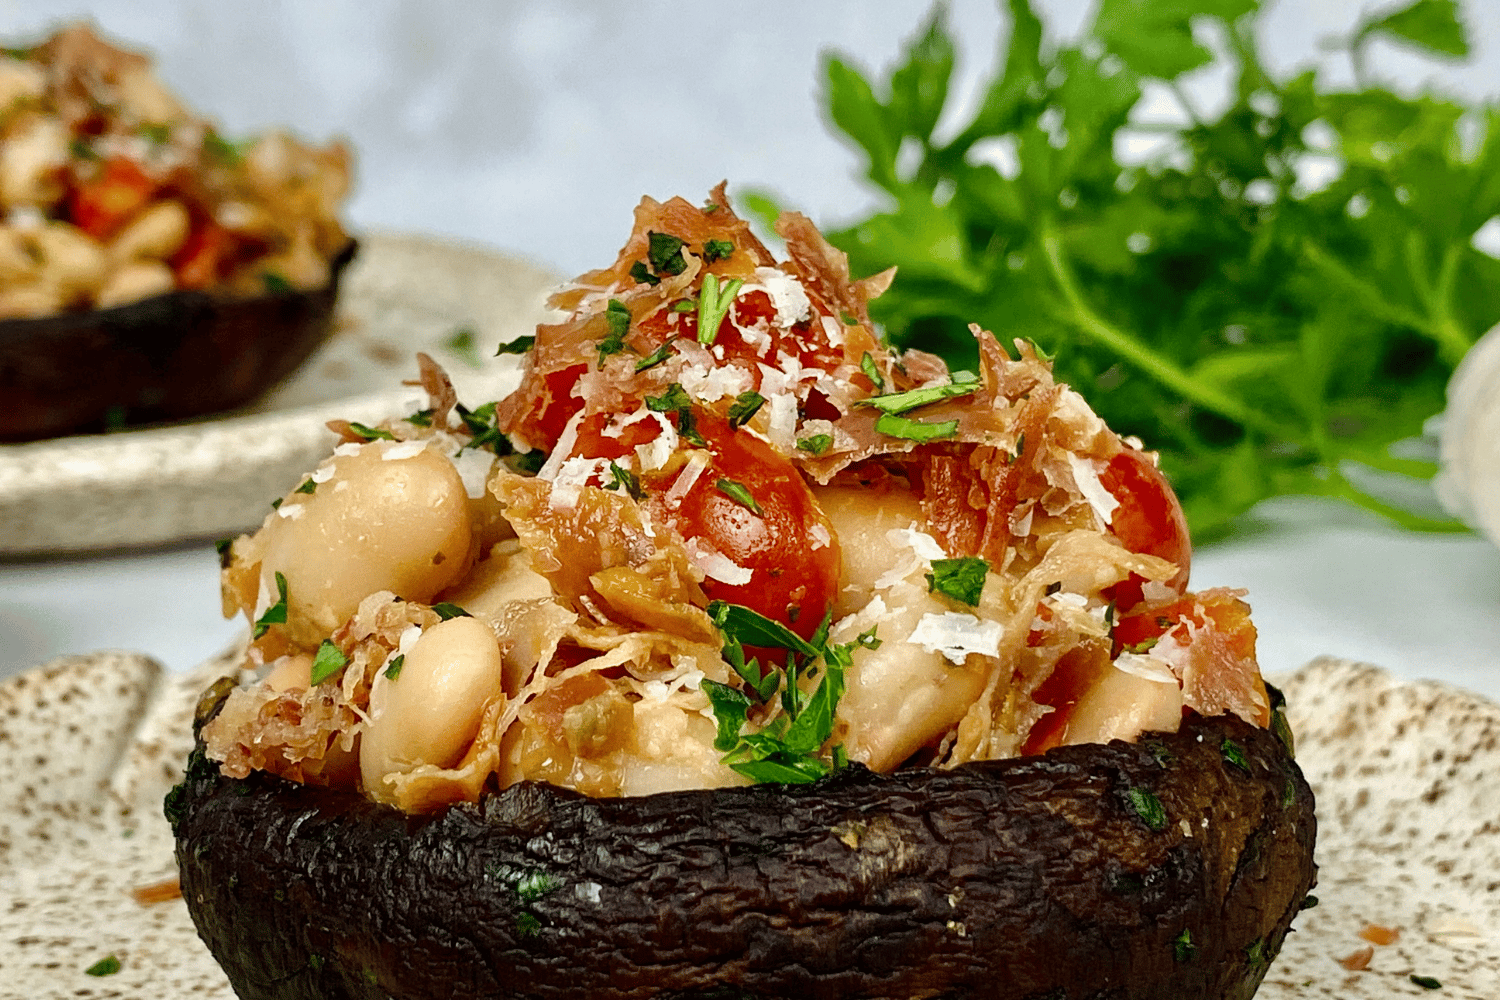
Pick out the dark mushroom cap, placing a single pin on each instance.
(1171, 867)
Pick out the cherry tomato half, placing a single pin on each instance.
(101, 206)
(1149, 520)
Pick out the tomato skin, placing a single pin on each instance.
(794, 579)
(200, 262)
(1149, 520)
(102, 205)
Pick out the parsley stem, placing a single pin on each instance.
(1127, 347)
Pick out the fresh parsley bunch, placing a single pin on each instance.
(1267, 337)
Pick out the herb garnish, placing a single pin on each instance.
(156, 133)
(915, 430)
(1270, 334)
(518, 346)
(422, 418)
(446, 610)
(219, 148)
(393, 669)
(867, 365)
(740, 494)
(715, 250)
(1426, 982)
(328, 662)
(642, 276)
(371, 433)
(1148, 807)
(676, 401)
(900, 402)
(1183, 948)
(463, 342)
(960, 579)
(745, 406)
(815, 444)
(1234, 755)
(276, 613)
(483, 425)
(713, 305)
(308, 486)
(790, 749)
(106, 966)
(276, 284)
(655, 358)
(617, 318)
(623, 479)
(665, 253)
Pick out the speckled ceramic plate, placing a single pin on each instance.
(1406, 777)
(211, 478)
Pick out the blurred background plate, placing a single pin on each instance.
(403, 294)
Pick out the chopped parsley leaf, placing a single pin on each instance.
(518, 346)
(739, 493)
(308, 486)
(897, 403)
(276, 504)
(276, 613)
(82, 149)
(815, 443)
(1148, 807)
(329, 661)
(371, 433)
(106, 966)
(1426, 982)
(713, 305)
(665, 253)
(1234, 755)
(1308, 902)
(156, 133)
(463, 343)
(745, 406)
(624, 479)
(1142, 646)
(642, 276)
(915, 430)
(617, 317)
(960, 579)
(482, 424)
(219, 148)
(422, 418)
(848, 318)
(446, 610)
(731, 709)
(676, 401)
(393, 669)
(530, 462)
(275, 283)
(1020, 449)
(867, 365)
(222, 547)
(684, 306)
(655, 358)
(1183, 948)
(716, 250)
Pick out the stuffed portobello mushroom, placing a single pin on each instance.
(734, 655)
(150, 269)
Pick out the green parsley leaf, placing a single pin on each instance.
(915, 430)
(393, 669)
(754, 629)
(676, 401)
(623, 479)
(529, 462)
(447, 610)
(655, 358)
(276, 613)
(642, 276)
(715, 250)
(665, 253)
(684, 306)
(222, 547)
(216, 147)
(872, 372)
(308, 486)
(82, 149)
(1426, 982)
(745, 406)
(960, 579)
(731, 708)
(518, 346)
(483, 425)
(739, 493)
(106, 966)
(1234, 755)
(1148, 807)
(1265, 335)
(328, 662)
(1308, 902)
(815, 444)
(463, 343)
(1143, 646)
(617, 318)
(1183, 949)
(371, 433)
(276, 284)
(156, 133)
(900, 402)
(713, 305)
(422, 418)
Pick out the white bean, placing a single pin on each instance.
(71, 260)
(399, 525)
(136, 280)
(157, 233)
(430, 711)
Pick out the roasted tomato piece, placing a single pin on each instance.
(101, 206)
(752, 311)
(751, 506)
(204, 254)
(1149, 520)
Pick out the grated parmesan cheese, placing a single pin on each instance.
(1086, 477)
(572, 478)
(348, 448)
(715, 565)
(788, 297)
(396, 451)
(473, 465)
(956, 635)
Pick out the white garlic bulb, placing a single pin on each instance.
(1468, 484)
